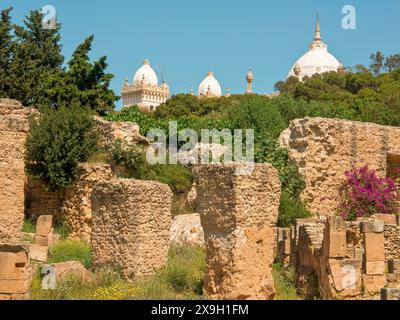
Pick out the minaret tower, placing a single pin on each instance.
(249, 79)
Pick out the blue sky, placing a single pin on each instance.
(188, 38)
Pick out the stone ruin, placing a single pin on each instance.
(238, 215)
(340, 259)
(14, 126)
(323, 149)
(130, 228)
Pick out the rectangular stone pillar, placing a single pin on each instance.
(44, 230)
(238, 214)
(13, 131)
(374, 246)
(131, 225)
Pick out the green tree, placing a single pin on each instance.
(6, 52)
(84, 82)
(37, 55)
(377, 63)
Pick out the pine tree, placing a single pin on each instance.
(84, 82)
(6, 52)
(37, 56)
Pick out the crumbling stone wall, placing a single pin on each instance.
(76, 210)
(131, 225)
(41, 202)
(14, 126)
(353, 259)
(324, 148)
(238, 215)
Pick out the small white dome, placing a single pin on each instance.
(210, 87)
(146, 74)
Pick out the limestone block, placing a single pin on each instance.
(386, 218)
(38, 253)
(334, 243)
(375, 267)
(238, 215)
(15, 272)
(44, 225)
(186, 229)
(374, 244)
(131, 226)
(373, 226)
(373, 283)
(390, 294)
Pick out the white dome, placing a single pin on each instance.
(210, 87)
(146, 74)
(316, 61)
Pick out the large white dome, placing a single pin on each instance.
(210, 87)
(146, 74)
(316, 61)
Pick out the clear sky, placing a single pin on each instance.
(187, 38)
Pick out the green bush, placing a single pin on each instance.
(133, 159)
(291, 209)
(29, 226)
(58, 140)
(285, 283)
(70, 250)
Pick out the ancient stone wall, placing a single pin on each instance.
(238, 215)
(324, 148)
(41, 202)
(131, 226)
(76, 210)
(347, 259)
(14, 126)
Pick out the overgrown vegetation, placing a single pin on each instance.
(69, 250)
(285, 283)
(181, 278)
(58, 140)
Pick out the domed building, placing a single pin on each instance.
(144, 90)
(317, 60)
(209, 87)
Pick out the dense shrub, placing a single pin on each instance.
(290, 209)
(133, 159)
(364, 193)
(57, 141)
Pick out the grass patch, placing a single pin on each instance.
(70, 250)
(285, 281)
(29, 226)
(181, 278)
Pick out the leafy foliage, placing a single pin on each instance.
(133, 159)
(290, 209)
(58, 140)
(70, 250)
(31, 67)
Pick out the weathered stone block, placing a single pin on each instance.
(375, 267)
(37, 252)
(334, 243)
(44, 225)
(373, 283)
(374, 226)
(390, 294)
(238, 215)
(131, 225)
(15, 272)
(374, 244)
